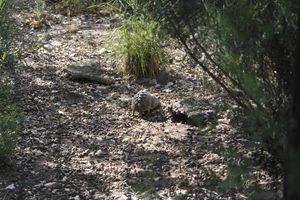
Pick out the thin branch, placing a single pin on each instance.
(236, 83)
(240, 103)
(205, 68)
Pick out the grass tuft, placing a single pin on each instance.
(137, 47)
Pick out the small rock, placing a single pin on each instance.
(54, 191)
(167, 90)
(115, 95)
(48, 47)
(10, 187)
(56, 43)
(117, 85)
(103, 50)
(83, 154)
(173, 162)
(166, 131)
(134, 197)
(177, 58)
(64, 179)
(156, 178)
(223, 121)
(181, 191)
(99, 153)
(170, 84)
(235, 106)
(51, 184)
(86, 193)
(75, 198)
(37, 152)
(71, 28)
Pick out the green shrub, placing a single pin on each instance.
(5, 28)
(38, 18)
(69, 7)
(258, 51)
(8, 136)
(8, 120)
(111, 6)
(137, 47)
(8, 114)
(127, 7)
(75, 7)
(249, 46)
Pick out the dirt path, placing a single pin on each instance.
(80, 141)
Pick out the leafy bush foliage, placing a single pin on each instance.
(138, 47)
(75, 7)
(249, 46)
(8, 114)
(8, 135)
(8, 123)
(257, 49)
(5, 28)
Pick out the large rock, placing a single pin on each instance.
(192, 112)
(89, 71)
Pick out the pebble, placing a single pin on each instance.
(99, 153)
(75, 198)
(11, 187)
(170, 84)
(102, 50)
(48, 47)
(51, 184)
